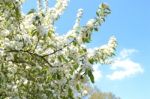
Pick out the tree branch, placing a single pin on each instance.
(32, 54)
(58, 49)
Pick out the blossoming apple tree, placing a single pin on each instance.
(36, 62)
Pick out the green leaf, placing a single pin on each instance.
(78, 87)
(61, 58)
(64, 59)
(70, 94)
(91, 60)
(89, 72)
(96, 29)
(71, 71)
(37, 18)
(31, 11)
(58, 76)
(50, 34)
(34, 32)
(75, 66)
(48, 78)
(75, 43)
(97, 13)
(18, 14)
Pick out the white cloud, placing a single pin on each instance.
(127, 52)
(97, 73)
(123, 66)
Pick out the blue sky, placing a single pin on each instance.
(130, 23)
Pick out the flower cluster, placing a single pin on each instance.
(103, 53)
(36, 62)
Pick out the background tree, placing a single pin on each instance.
(103, 95)
(37, 63)
(92, 92)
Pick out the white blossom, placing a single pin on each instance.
(4, 33)
(79, 15)
(90, 23)
(43, 29)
